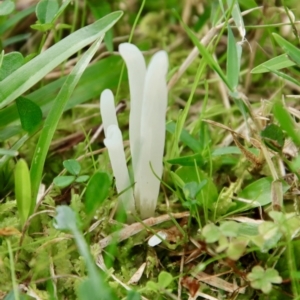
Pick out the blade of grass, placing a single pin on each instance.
(237, 17)
(205, 54)
(55, 113)
(16, 293)
(286, 77)
(102, 74)
(15, 19)
(17, 83)
(276, 63)
(292, 51)
(233, 61)
(286, 122)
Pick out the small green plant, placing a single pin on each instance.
(94, 287)
(164, 280)
(262, 279)
(25, 203)
(74, 168)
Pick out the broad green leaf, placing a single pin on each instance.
(133, 295)
(82, 178)
(6, 7)
(65, 219)
(46, 10)
(97, 191)
(53, 117)
(13, 20)
(42, 27)
(232, 150)
(286, 77)
(101, 75)
(185, 137)
(259, 192)
(190, 160)
(72, 166)
(276, 63)
(30, 114)
(273, 136)
(208, 194)
(292, 51)
(286, 122)
(236, 249)
(164, 279)
(100, 9)
(237, 17)
(17, 83)
(230, 228)
(211, 233)
(63, 181)
(23, 191)
(192, 189)
(90, 289)
(63, 6)
(11, 62)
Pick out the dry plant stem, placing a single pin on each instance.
(200, 294)
(256, 161)
(277, 195)
(181, 274)
(137, 227)
(253, 49)
(100, 263)
(224, 95)
(269, 161)
(204, 41)
(217, 282)
(187, 10)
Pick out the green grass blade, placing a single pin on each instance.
(16, 18)
(286, 77)
(237, 17)
(29, 74)
(286, 122)
(276, 63)
(23, 191)
(100, 75)
(208, 58)
(292, 51)
(52, 119)
(233, 61)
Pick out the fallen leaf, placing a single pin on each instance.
(191, 284)
(9, 231)
(137, 275)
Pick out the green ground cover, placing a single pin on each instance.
(75, 223)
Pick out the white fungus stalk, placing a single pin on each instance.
(136, 67)
(114, 145)
(108, 110)
(149, 95)
(152, 135)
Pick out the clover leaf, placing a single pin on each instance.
(262, 279)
